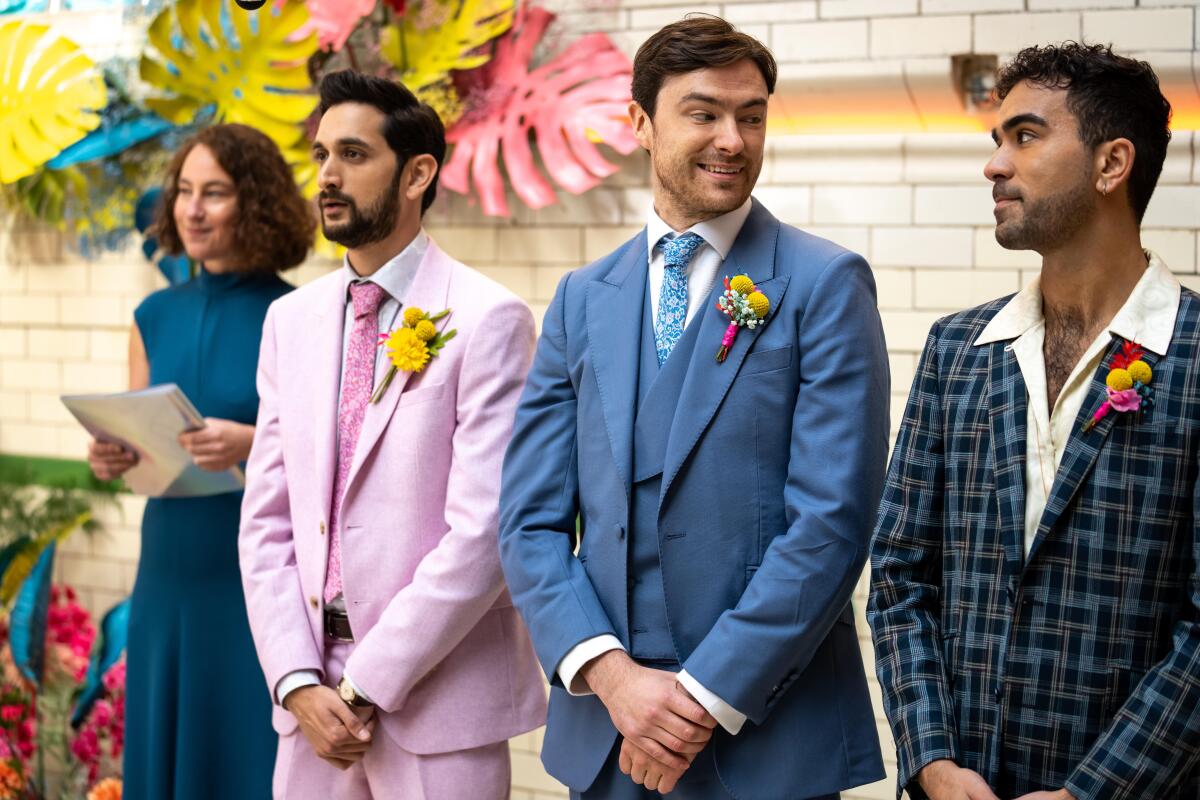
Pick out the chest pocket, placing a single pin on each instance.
(766, 361)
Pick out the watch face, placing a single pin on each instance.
(346, 691)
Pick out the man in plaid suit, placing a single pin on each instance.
(1035, 595)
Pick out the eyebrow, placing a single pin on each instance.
(346, 141)
(219, 182)
(712, 101)
(1019, 119)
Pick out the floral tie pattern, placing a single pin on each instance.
(673, 300)
(357, 381)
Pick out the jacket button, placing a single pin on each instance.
(999, 690)
(312, 601)
(322, 527)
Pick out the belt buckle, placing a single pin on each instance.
(337, 626)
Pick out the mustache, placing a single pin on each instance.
(336, 196)
(1002, 192)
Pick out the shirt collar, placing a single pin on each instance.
(718, 232)
(1147, 317)
(396, 275)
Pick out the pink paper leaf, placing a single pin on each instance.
(571, 102)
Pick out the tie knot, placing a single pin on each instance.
(366, 297)
(678, 252)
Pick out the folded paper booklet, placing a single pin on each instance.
(149, 422)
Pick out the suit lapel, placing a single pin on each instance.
(708, 381)
(1008, 410)
(429, 291)
(615, 306)
(327, 334)
(1083, 448)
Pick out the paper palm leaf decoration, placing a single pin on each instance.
(335, 20)
(49, 91)
(441, 36)
(579, 97)
(207, 52)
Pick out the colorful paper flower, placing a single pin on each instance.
(49, 92)
(1127, 384)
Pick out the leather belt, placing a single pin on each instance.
(337, 626)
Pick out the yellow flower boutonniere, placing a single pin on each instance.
(410, 346)
(745, 306)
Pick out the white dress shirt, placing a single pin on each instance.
(394, 277)
(719, 234)
(1147, 318)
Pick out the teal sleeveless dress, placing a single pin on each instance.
(198, 712)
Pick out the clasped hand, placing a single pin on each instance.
(219, 445)
(336, 732)
(662, 725)
(945, 780)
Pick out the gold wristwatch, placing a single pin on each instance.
(351, 697)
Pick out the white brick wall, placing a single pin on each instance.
(916, 205)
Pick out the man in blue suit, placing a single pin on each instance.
(701, 635)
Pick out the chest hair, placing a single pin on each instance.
(1067, 337)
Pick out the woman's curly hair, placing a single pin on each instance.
(275, 226)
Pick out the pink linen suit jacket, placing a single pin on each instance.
(439, 647)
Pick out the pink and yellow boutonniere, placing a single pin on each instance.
(745, 306)
(1127, 384)
(412, 344)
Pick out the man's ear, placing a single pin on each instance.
(643, 126)
(1114, 164)
(420, 171)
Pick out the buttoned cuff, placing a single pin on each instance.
(293, 681)
(726, 715)
(580, 654)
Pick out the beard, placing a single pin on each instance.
(688, 195)
(371, 225)
(1049, 222)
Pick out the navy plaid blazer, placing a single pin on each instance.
(1078, 666)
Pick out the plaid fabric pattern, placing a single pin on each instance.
(1076, 667)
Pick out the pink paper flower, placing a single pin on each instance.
(1127, 400)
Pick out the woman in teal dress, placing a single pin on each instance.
(198, 710)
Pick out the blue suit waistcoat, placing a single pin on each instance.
(772, 468)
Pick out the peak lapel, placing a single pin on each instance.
(1083, 448)
(708, 381)
(615, 308)
(1008, 401)
(429, 291)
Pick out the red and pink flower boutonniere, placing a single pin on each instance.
(745, 306)
(1127, 384)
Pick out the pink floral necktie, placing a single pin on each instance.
(357, 380)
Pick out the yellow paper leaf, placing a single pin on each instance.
(425, 56)
(256, 76)
(48, 89)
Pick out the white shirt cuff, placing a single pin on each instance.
(580, 654)
(293, 681)
(357, 690)
(726, 715)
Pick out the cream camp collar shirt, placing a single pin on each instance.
(1148, 318)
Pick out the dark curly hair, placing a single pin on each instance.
(275, 224)
(698, 41)
(1112, 97)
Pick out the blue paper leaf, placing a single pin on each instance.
(27, 622)
(114, 632)
(106, 142)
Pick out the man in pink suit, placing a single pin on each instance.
(368, 540)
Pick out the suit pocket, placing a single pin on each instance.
(422, 394)
(766, 360)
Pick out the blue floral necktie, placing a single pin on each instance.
(673, 300)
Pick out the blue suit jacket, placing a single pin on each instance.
(773, 470)
(1079, 665)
